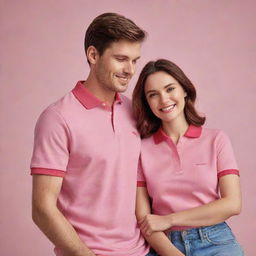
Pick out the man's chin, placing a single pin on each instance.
(121, 88)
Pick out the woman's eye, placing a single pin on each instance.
(152, 95)
(170, 89)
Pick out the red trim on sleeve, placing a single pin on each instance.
(141, 184)
(45, 171)
(226, 172)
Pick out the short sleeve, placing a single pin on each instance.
(140, 176)
(226, 162)
(50, 154)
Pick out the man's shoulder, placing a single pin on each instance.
(60, 104)
(56, 110)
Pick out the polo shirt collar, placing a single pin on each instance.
(192, 132)
(87, 99)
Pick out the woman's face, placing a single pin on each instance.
(165, 96)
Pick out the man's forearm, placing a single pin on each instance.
(61, 233)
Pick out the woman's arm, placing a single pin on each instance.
(158, 240)
(209, 214)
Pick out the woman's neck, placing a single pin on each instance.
(175, 129)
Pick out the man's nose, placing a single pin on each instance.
(130, 68)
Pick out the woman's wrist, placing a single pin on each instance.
(171, 219)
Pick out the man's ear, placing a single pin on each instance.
(92, 54)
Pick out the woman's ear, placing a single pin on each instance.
(92, 54)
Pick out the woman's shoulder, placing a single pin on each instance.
(215, 133)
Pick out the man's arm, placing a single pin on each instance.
(209, 214)
(51, 221)
(158, 240)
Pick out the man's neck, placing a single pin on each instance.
(104, 95)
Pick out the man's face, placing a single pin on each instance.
(114, 69)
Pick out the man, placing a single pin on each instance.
(86, 152)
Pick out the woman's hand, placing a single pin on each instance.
(151, 223)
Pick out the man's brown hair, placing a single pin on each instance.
(111, 27)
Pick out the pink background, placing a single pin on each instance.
(42, 57)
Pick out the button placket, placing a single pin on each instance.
(174, 148)
(109, 110)
(179, 147)
(112, 115)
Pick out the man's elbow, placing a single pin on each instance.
(37, 213)
(41, 211)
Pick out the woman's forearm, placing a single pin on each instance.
(157, 240)
(214, 212)
(162, 245)
(205, 215)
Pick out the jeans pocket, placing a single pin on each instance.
(220, 235)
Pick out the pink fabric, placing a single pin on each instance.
(183, 176)
(97, 148)
(226, 172)
(45, 171)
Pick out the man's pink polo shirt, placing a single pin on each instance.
(184, 176)
(96, 150)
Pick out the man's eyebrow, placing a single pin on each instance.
(137, 58)
(124, 56)
(121, 56)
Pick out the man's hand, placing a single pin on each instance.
(151, 223)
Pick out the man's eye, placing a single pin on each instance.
(120, 59)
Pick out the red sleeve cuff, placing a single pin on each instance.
(229, 171)
(45, 171)
(141, 184)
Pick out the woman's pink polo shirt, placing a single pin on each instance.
(184, 176)
(95, 149)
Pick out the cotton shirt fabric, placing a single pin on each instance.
(184, 176)
(95, 148)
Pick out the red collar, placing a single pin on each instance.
(192, 132)
(87, 99)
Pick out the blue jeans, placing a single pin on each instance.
(216, 240)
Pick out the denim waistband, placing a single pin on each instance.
(196, 233)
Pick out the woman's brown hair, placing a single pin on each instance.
(147, 122)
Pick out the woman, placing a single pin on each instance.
(187, 173)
